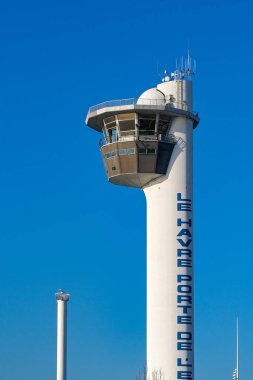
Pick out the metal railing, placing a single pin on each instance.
(164, 137)
(142, 102)
(113, 103)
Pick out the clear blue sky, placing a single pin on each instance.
(63, 226)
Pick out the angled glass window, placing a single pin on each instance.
(130, 151)
(147, 124)
(113, 153)
(126, 116)
(110, 122)
(151, 151)
(127, 123)
(122, 152)
(164, 124)
(114, 135)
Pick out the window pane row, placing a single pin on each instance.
(135, 125)
(147, 151)
(122, 152)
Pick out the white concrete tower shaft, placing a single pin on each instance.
(62, 299)
(170, 346)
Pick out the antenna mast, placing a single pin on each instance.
(236, 370)
(237, 347)
(186, 69)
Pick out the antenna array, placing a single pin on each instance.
(186, 69)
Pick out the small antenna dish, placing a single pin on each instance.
(166, 78)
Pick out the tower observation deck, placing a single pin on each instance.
(147, 143)
(138, 141)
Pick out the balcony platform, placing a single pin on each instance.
(97, 113)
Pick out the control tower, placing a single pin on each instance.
(147, 143)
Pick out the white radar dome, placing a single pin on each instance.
(152, 94)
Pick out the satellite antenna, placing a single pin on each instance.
(166, 78)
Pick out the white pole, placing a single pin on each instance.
(62, 299)
(237, 348)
